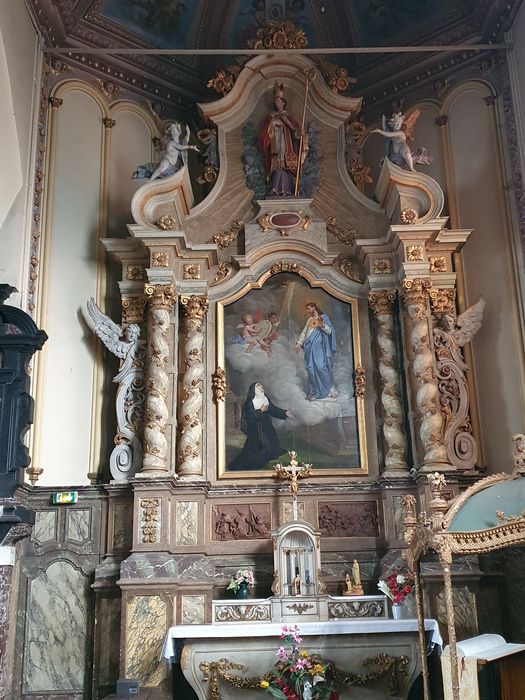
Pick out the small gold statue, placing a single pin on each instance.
(349, 585)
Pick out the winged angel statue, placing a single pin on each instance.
(398, 130)
(450, 335)
(126, 344)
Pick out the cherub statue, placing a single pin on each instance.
(397, 131)
(450, 335)
(176, 147)
(126, 344)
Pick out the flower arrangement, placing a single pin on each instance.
(397, 586)
(298, 675)
(243, 576)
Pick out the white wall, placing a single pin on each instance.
(19, 64)
(89, 194)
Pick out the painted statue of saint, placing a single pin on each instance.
(279, 141)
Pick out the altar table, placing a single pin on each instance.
(346, 643)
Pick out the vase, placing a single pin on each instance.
(399, 611)
(242, 592)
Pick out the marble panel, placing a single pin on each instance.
(122, 526)
(397, 504)
(78, 525)
(45, 527)
(56, 634)
(109, 635)
(187, 513)
(147, 623)
(193, 609)
(288, 510)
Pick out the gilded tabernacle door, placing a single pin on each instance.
(290, 353)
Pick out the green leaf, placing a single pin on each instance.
(276, 692)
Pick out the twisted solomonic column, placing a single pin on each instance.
(161, 299)
(415, 297)
(190, 446)
(393, 416)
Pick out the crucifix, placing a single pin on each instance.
(292, 472)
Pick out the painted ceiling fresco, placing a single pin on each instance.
(201, 24)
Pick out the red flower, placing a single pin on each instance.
(407, 589)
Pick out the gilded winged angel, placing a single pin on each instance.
(450, 335)
(397, 131)
(126, 344)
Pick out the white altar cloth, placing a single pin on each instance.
(307, 629)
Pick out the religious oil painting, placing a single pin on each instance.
(289, 351)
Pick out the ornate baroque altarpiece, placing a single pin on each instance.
(230, 296)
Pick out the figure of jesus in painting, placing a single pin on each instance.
(279, 140)
(318, 342)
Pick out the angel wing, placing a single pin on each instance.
(107, 330)
(161, 124)
(185, 139)
(410, 123)
(469, 323)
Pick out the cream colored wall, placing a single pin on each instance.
(481, 204)
(19, 66)
(89, 191)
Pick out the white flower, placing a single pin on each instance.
(383, 587)
(400, 579)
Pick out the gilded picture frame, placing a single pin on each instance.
(258, 329)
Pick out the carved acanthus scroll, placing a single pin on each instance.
(449, 337)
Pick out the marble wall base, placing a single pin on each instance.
(7, 555)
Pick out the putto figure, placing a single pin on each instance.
(176, 147)
(279, 141)
(397, 131)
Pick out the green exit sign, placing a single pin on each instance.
(64, 497)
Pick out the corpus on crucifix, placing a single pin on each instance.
(293, 472)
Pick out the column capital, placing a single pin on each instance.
(416, 290)
(133, 308)
(381, 300)
(108, 123)
(160, 296)
(443, 301)
(56, 102)
(195, 307)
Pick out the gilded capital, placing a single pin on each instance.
(108, 123)
(415, 291)
(381, 301)
(441, 120)
(443, 301)
(133, 309)
(161, 296)
(56, 102)
(194, 307)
